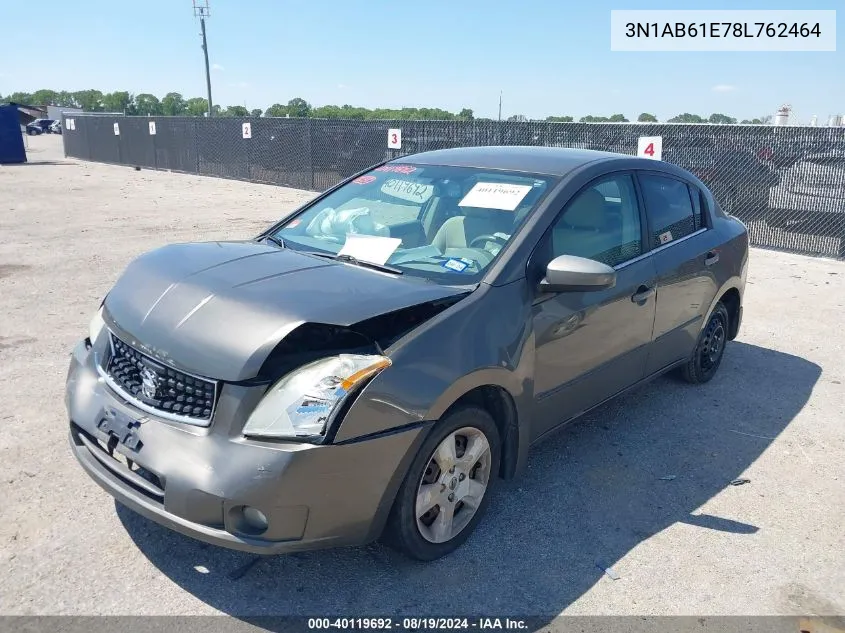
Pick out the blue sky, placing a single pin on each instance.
(548, 57)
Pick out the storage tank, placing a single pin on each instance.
(835, 120)
(782, 115)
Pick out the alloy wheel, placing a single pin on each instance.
(453, 484)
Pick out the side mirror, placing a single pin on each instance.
(569, 273)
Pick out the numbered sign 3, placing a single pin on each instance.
(394, 138)
(247, 130)
(650, 147)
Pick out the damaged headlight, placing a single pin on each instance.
(96, 326)
(301, 403)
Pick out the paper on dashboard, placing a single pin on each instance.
(370, 248)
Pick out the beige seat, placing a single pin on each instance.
(461, 230)
(583, 229)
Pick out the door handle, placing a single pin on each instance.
(711, 258)
(642, 293)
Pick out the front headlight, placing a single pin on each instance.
(96, 326)
(301, 403)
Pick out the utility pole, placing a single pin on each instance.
(500, 105)
(201, 11)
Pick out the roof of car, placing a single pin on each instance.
(553, 161)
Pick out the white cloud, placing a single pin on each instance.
(217, 67)
(341, 86)
(724, 88)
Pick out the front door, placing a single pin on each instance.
(592, 345)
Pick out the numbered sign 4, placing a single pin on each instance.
(650, 147)
(247, 130)
(394, 138)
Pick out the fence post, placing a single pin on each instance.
(311, 153)
(196, 142)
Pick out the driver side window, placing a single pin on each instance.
(602, 223)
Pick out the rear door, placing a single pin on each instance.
(685, 249)
(591, 345)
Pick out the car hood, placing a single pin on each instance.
(217, 309)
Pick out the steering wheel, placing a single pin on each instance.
(488, 238)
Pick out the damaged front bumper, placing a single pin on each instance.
(211, 483)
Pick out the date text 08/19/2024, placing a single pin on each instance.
(722, 29)
(417, 623)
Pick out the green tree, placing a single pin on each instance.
(277, 110)
(147, 105)
(686, 117)
(119, 101)
(173, 104)
(89, 100)
(236, 111)
(721, 118)
(645, 117)
(196, 106)
(618, 118)
(593, 119)
(466, 114)
(299, 107)
(24, 98)
(560, 119)
(255, 112)
(44, 97)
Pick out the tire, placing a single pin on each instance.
(710, 349)
(428, 536)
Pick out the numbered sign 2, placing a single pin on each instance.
(152, 128)
(394, 138)
(247, 130)
(650, 147)
(116, 129)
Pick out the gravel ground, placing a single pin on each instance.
(601, 490)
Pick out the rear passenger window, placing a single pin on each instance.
(669, 206)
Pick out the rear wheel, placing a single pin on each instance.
(707, 356)
(447, 487)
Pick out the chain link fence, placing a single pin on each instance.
(786, 183)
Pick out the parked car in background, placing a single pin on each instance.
(56, 128)
(372, 364)
(739, 179)
(39, 126)
(811, 189)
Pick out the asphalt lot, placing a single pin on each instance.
(598, 491)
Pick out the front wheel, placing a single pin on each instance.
(447, 487)
(707, 356)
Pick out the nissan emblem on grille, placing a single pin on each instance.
(149, 383)
(173, 393)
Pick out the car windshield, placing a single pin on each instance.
(447, 224)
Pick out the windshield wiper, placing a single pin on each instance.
(349, 259)
(275, 240)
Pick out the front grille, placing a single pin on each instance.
(176, 394)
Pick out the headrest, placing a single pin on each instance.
(587, 211)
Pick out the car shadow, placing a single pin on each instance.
(590, 495)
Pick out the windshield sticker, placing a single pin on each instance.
(408, 190)
(458, 265)
(364, 180)
(397, 169)
(495, 195)
(666, 237)
(370, 248)
(293, 223)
